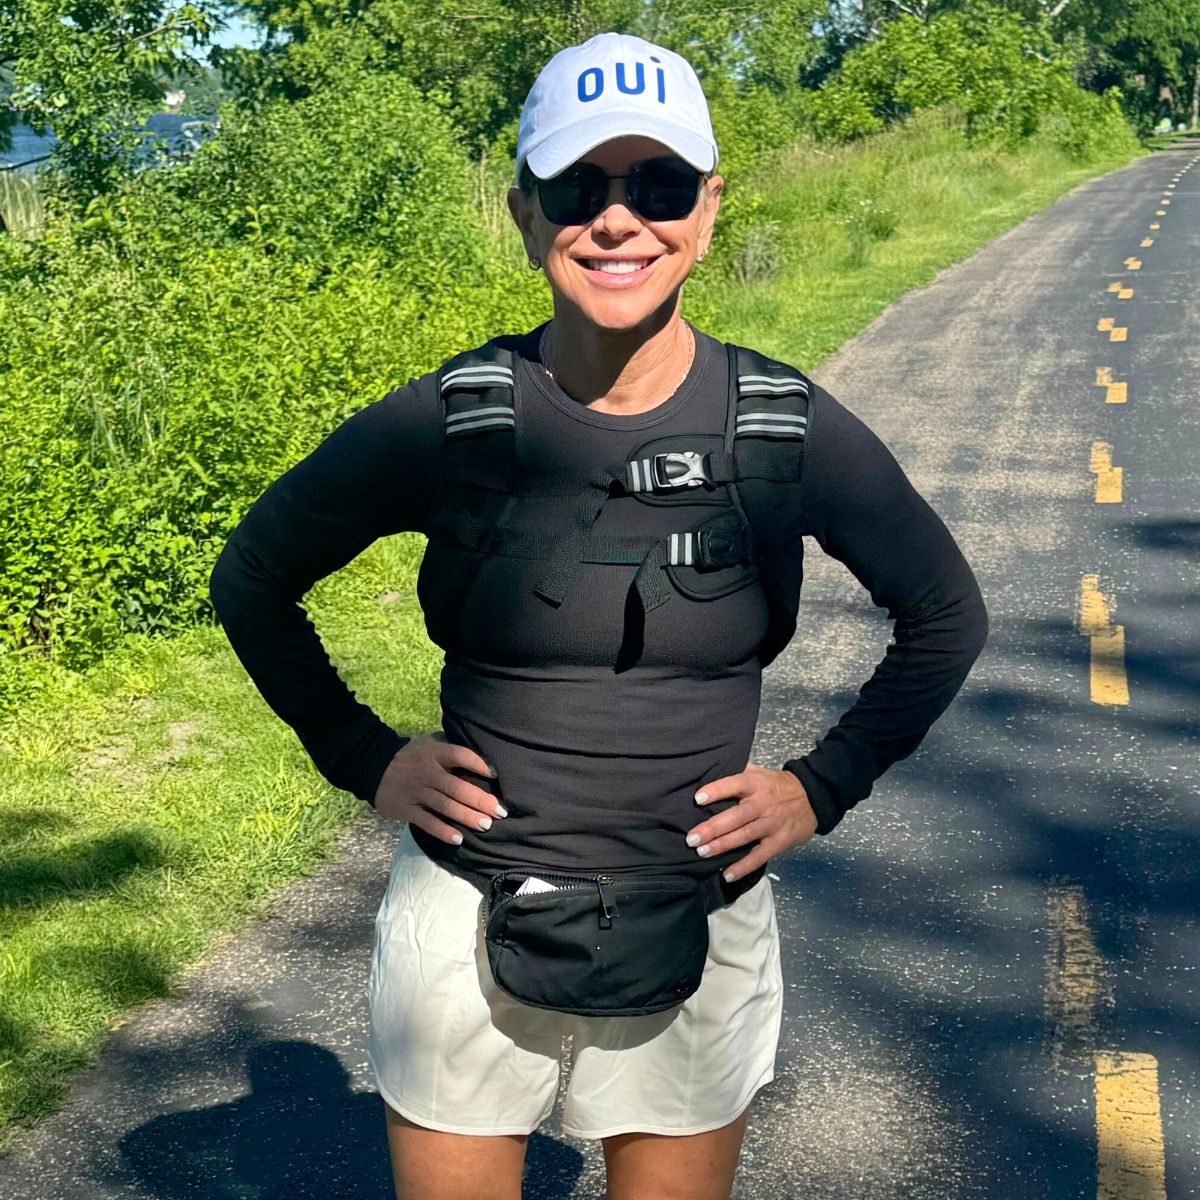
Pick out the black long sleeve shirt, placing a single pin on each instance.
(595, 763)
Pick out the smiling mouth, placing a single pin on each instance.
(618, 272)
(616, 266)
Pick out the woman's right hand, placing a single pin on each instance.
(419, 782)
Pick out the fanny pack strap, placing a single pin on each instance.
(717, 893)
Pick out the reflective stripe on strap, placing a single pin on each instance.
(764, 385)
(784, 424)
(680, 548)
(493, 416)
(477, 377)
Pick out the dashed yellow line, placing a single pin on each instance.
(1133, 264)
(1108, 477)
(1115, 392)
(1116, 333)
(1076, 981)
(1130, 1158)
(1108, 681)
(1147, 242)
(1130, 1152)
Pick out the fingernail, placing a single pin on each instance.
(729, 876)
(485, 822)
(457, 839)
(701, 797)
(703, 850)
(693, 839)
(492, 770)
(501, 811)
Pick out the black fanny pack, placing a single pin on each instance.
(602, 945)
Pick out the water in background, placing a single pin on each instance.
(174, 132)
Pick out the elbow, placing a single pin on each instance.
(978, 626)
(228, 579)
(218, 580)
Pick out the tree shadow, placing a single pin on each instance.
(299, 1131)
(78, 870)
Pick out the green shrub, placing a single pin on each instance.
(1004, 72)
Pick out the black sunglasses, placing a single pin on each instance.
(658, 189)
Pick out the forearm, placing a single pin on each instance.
(919, 675)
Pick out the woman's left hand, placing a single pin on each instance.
(772, 811)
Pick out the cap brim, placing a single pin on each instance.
(564, 146)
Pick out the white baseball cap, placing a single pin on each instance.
(609, 86)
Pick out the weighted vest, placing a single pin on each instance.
(751, 468)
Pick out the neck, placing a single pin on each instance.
(627, 369)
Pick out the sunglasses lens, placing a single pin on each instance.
(664, 189)
(575, 196)
(659, 189)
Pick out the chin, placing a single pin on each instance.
(621, 313)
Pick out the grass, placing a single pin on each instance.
(151, 806)
(20, 203)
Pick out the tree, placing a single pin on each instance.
(92, 72)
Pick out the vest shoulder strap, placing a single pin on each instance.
(772, 400)
(771, 417)
(476, 390)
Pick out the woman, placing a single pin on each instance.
(587, 720)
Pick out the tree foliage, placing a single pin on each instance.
(93, 72)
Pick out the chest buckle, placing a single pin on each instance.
(679, 468)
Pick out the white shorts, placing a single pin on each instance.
(451, 1051)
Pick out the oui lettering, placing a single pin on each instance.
(590, 84)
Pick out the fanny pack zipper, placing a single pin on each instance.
(602, 883)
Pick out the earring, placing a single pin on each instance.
(535, 264)
(700, 256)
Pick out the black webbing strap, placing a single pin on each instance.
(569, 549)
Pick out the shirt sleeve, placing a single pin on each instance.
(372, 476)
(861, 508)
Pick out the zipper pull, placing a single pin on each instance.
(608, 900)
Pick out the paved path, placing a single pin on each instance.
(990, 964)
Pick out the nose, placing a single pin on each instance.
(616, 217)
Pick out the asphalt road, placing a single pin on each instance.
(991, 962)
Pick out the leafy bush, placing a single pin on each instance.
(201, 330)
(1004, 72)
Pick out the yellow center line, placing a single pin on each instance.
(1130, 1153)
(1108, 477)
(1133, 264)
(1147, 241)
(1108, 682)
(1115, 392)
(1076, 980)
(1130, 1158)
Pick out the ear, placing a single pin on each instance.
(712, 202)
(521, 210)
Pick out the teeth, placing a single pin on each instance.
(616, 267)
